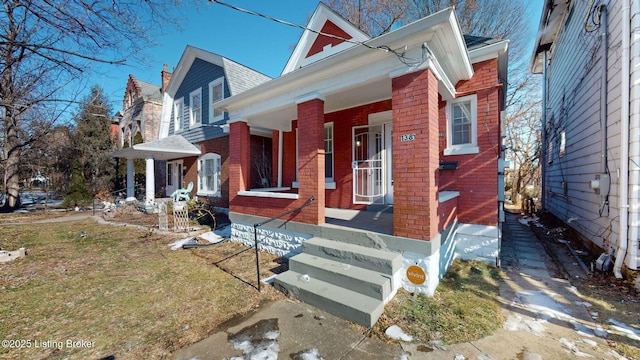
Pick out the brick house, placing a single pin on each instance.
(387, 157)
(141, 112)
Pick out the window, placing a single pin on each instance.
(216, 93)
(462, 126)
(178, 112)
(328, 151)
(195, 112)
(209, 175)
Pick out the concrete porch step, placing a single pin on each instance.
(345, 303)
(358, 279)
(381, 261)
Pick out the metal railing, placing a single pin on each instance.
(257, 225)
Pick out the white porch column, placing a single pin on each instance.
(149, 181)
(130, 179)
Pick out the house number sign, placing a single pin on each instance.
(407, 137)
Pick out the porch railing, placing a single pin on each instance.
(257, 225)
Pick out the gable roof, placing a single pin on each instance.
(238, 77)
(313, 45)
(149, 91)
(361, 74)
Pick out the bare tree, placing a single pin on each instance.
(45, 47)
(374, 17)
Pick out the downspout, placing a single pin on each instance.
(634, 145)
(623, 192)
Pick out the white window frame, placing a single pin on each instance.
(469, 148)
(212, 111)
(329, 182)
(193, 121)
(203, 189)
(178, 115)
(330, 140)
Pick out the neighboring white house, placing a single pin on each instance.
(589, 55)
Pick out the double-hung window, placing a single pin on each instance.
(328, 151)
(195, 107)
(178, 113)
(462, 125)
(216, 93)
(209, 166)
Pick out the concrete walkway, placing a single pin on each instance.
(545, 319)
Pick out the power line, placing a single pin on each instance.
(405, 60)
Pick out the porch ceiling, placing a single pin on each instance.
(171, 147)
(343, 98)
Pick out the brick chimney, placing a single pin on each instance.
(166, 76)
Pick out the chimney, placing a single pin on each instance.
(166, 76)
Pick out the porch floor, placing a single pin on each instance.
(378, 218)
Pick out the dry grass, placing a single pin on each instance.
(120, 288)
(464, 308)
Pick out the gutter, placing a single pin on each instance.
(623, 235)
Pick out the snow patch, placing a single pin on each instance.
(395, 332)
(625, 330)
(311, 354)
(516, 322)
(573, 348)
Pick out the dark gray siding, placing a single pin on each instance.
(199, 75)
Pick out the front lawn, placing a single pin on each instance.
(117, 291)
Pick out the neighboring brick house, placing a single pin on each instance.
(141, 112)
(387, 155)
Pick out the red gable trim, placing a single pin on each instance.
(323, 40)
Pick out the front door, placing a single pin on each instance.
(174, 176)
(372, 175)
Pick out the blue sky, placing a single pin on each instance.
(258, 43)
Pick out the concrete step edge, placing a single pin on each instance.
(344, 303)
(358, 279)
(385, 262)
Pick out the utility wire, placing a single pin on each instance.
(405, 60)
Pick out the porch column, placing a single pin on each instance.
(311, 157)
(415, 155)
(239, 158)
(130, 179)
(149, 181)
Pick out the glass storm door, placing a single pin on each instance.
(369, 162)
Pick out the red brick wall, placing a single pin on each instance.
(311, 160)
(239, 160)
(415, 162)
(343, 122)
(218, 146)
(477, 175)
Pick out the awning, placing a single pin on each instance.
(171, 147)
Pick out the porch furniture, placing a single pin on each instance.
(183, 194)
